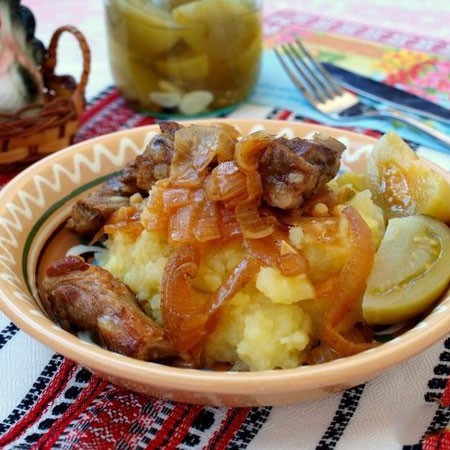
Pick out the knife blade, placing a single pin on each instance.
(388, 95)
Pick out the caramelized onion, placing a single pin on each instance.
(241, 275)
(225, 182)
(321, 354)
(122, 214)
(291, 264)
(154, 217)
(347, 289)
(250, 148)
(253, 185)
(207, 227)
(187, 316)
(131, 229)
(229, 226)
(182, 223)
(175, 197)
(232, 131)
(183, 311)
(184, 205)
(271, 252)
(251, 223)
(196, 146)
(126, 219)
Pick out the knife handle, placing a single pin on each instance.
(443, 138)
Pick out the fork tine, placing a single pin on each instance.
(300, 86)
(310, 72)
(327, 81)
(306, 75)
(313, 81)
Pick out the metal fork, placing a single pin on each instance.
(319, 88)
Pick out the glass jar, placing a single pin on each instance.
(184, 57)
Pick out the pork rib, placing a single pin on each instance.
(78, 295)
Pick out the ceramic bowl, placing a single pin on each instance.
(38, 201)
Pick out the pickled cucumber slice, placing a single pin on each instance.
(146, 29)
(402, 184)
(186, 68)
(134, 77)
(226, 24)
(205, 10)
(411, 270)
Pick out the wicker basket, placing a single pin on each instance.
(40, 129)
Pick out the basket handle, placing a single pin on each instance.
(51, 60)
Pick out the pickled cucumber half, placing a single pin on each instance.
(402, 184)
(411, 270)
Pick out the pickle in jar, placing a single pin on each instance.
(207, 50)
(141, 27)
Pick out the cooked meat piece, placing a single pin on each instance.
(323, 152)
(128, 178)
(285, 176)
(78, 295)
(169, 128)
(91, 213)
(154, 163)
(292, 170)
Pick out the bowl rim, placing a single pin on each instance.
(356, 367)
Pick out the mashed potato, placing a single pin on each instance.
(259, 333)
(353, 187)
(371, 213)
(139, 264)
(260, 328)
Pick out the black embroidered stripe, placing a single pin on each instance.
(177, 424)
(33, 395)
(7, 334)
(438, 383)
(346, 409)
(436, 388)
(256, 418)
(203, 421)
(160, 415)
(59, 405)
(76, 428)
(301, 118)
(440, 421)
(279, 113)
(273, 113)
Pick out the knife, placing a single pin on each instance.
(388, 95)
